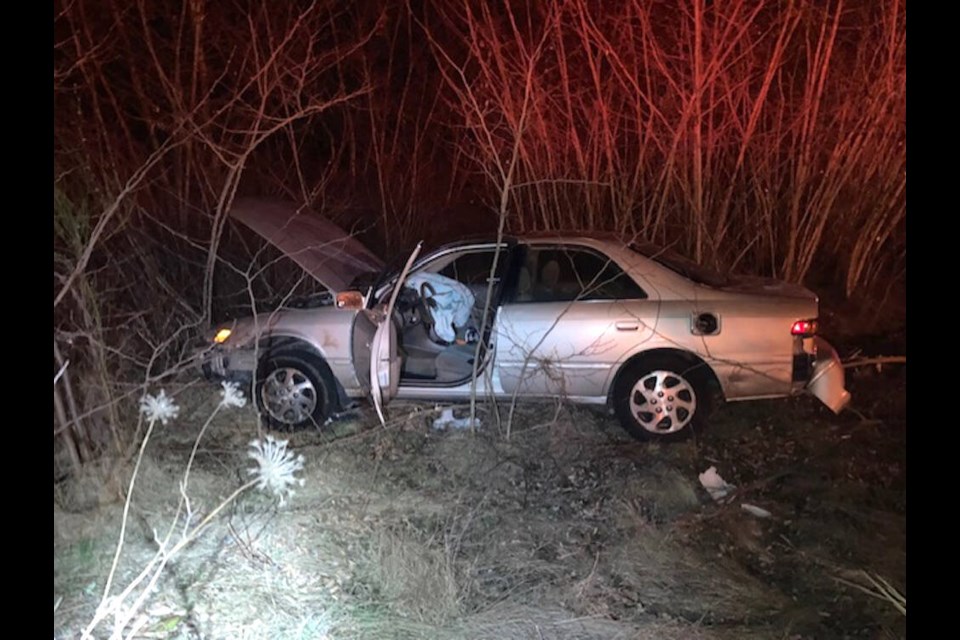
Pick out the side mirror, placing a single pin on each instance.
(350, 300)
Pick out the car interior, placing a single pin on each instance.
(428, 359)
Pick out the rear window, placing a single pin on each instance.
(680, 264)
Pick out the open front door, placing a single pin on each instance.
(376, 356)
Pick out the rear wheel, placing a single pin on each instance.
(662, 398)
(293, 391)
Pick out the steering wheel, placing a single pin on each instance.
(427, 304)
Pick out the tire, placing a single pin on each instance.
(662, 398)
(293, 392)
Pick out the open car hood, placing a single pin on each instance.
(324, 250)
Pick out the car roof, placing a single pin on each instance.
(571, 234)
(537, 237)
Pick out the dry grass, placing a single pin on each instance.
(667, 575)
(566, 531)
(875, 586)
(416, 576)
(660, 495)
(518, 622)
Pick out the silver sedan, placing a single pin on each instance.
(585, 317)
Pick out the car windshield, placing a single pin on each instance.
(373, 279)
(376, 280)
(680, 264)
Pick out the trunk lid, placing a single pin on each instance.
(767, 287)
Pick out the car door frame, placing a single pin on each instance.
(375, 333)
(597, 375)
(457, 391)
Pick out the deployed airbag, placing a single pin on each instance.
(454, 302)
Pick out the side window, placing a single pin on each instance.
(563, 274)
(472, 268)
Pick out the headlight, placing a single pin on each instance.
(222, 335)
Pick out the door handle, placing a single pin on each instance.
(627, 325)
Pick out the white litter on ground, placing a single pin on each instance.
(754, 510)
(446, 420)
(716, 486)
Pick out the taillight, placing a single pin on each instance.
(804, 328)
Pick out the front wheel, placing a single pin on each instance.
(662, 398)
(292, 392)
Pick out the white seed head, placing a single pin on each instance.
(231, 395)
(276, 467)
(159, 407)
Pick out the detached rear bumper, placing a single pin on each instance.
(827, 380)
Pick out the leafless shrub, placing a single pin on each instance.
(754, 133)
(161, 109)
